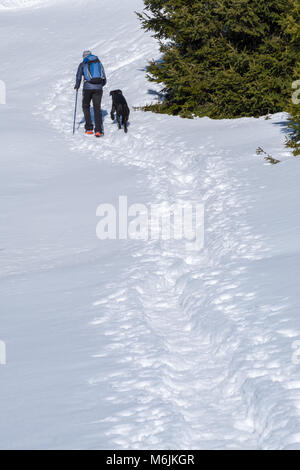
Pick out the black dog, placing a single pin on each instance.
(119, 106)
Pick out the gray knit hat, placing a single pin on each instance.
(86, 54)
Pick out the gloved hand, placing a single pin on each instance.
(76, 87)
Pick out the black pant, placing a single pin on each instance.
(96, 97)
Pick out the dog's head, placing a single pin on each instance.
(116, 92)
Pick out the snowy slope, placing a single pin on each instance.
(139, 344)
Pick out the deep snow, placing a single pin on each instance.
(138, 344)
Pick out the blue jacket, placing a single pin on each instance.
(87, 85)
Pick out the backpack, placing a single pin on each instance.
(93, 70)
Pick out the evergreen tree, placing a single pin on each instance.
(292, 24)
(222, 58)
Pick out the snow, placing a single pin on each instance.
(134, 344)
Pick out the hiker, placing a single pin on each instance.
(94, 80)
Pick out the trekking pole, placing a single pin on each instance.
(75, 112)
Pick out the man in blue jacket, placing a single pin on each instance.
(94, 80)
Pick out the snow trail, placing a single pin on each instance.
(180, 324)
